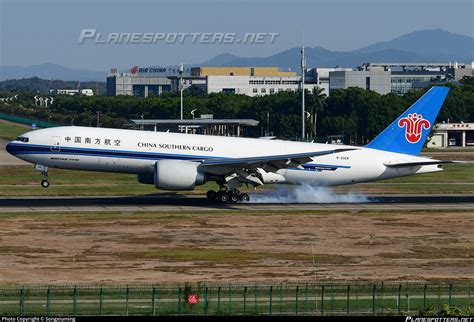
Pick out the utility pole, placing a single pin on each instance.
(268, 124)
(181, 70)
(98, 118)
(303, 69)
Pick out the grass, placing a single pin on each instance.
(70, 218)
(456, 178)
(24, 181)
(453, 173)
(226, 256)
(432, 252)
(25, 249)
(9, 131)
(191, 261)
(236, 299)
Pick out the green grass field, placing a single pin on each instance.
(24, 181)
(9, 131)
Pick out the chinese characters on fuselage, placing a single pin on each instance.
(92, 141)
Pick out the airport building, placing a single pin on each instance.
(251, 81)
(72, 92)
(142, 82)
(452, 135)
(240, 71)
(398, 78)
(320, 76)
(206, 125)
(372, 79)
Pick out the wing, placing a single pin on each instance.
(226, 165)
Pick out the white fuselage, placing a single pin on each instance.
(132, 151)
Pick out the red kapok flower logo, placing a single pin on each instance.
(413, 123)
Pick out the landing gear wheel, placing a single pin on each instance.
(244, 197)
(222, 196)
(211, 195)
(233, 197)
(45, 183)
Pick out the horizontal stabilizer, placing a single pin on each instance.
(416, 163)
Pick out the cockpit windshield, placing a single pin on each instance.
(22, 139)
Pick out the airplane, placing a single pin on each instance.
(176, 161)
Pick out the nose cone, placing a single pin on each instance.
(9, 148)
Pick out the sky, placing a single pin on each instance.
(47, 31)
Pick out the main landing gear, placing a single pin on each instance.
(227, 196)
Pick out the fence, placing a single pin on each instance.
(25, 120)
(280, 299)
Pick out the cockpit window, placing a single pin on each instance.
(22, 139)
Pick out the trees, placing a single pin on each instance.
(316, 102)
(358, 114)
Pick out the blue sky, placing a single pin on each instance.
(41, 31)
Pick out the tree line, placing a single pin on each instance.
(43, 86)
(356, 113)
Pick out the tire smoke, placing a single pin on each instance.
(307, 194)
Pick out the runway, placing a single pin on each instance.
(166, 203)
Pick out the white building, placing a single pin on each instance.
(72, 92)
(320, 76)
(452, 135)
(253, 85)
(251, 81)
(398, 78)
(375, 79)
(87, 92)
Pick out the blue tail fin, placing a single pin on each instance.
(408, 133)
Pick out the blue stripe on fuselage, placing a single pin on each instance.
(46, 149)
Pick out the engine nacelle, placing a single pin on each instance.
(270, 177)
(177, 175)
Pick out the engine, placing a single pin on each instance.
(176, 175)
(270, 177)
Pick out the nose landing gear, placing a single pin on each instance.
(44, 173)
(227, 196)
(45, 183)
